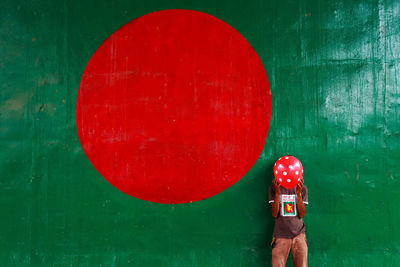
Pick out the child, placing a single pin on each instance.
(289, 230)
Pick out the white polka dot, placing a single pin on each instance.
(275, 164)
(280, 180)
(286, 157)
(290, 166)
(276, 172)
(280, 166)
(279, 159)
(288, 180)
(297, 172)
(284, 173)
(298, 179)
(297, 164)
(301, 171)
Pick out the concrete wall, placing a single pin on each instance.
(333, 68)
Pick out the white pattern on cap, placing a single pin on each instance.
(284, 173)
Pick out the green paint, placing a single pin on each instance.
(334, 71)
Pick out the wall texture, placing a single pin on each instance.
(333, 69)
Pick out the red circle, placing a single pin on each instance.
(173, 107)
(289, 208)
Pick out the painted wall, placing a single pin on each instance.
(333, 69)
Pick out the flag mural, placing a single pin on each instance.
(175, 170)
(174, 107)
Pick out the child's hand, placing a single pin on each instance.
(277, 187)
(299, 186)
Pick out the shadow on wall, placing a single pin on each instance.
(269, 227)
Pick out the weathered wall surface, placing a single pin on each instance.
(333, 69)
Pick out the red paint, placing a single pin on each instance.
(173, 107)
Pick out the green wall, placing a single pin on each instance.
(333, 69)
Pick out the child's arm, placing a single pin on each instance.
(301, 208)
(275, 204)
